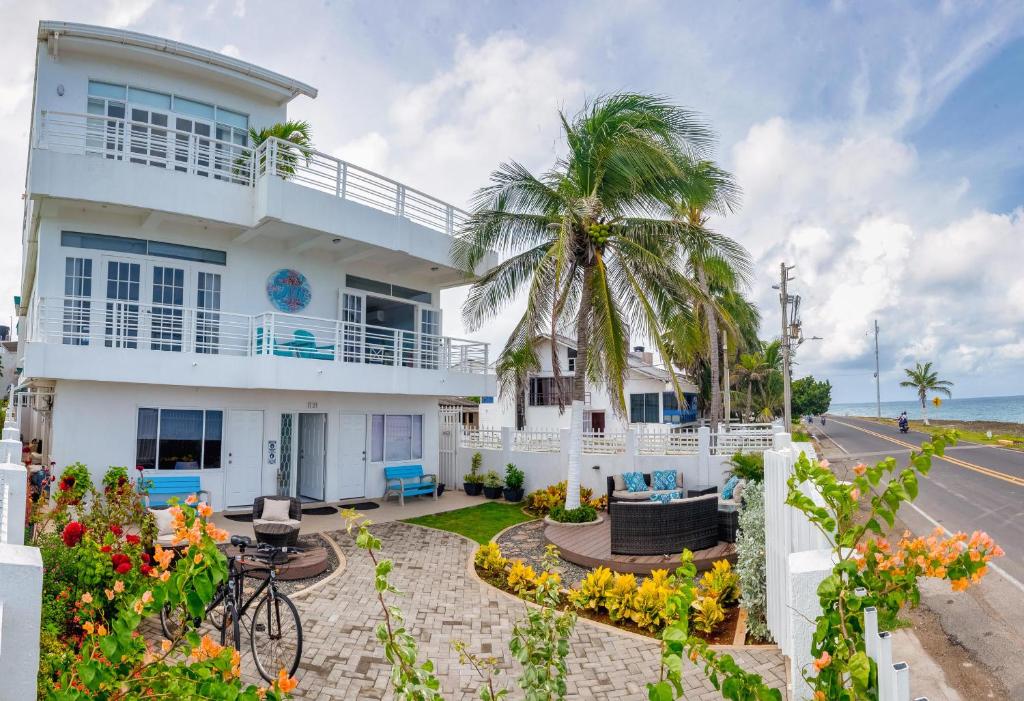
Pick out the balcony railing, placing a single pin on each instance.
(142, 143)
(142, 327)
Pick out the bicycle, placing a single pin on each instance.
(275, 632)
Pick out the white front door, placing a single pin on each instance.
(312, 455)
(352, 456)
(244, 474)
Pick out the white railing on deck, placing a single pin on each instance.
(675, 443)
(729, 443)
(537, 441)
(487, 438)
(129, 142)
(143, 327)
(597, 442)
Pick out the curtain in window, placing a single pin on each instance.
(212, 439)
(417, 437)
(398, 437)
(377, 438)
(181, 439)
(146, 438)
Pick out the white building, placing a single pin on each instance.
(265, 320)
(650, 397)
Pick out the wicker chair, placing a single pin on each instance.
(651, 528)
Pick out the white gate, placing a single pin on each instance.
(450, 425)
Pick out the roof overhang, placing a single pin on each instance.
(53, 32)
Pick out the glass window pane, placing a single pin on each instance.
(377, 438)
(636, 408)
(234, 119)
(145, 445)
(101, 89)
(212, 439)
(417, 437)
(409, 293)
(196, 109)
(181, 252)
(398, 437)
(102, 242)
(150, 98)
(181, 439)
(362, 283)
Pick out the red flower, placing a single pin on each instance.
(145, 569)
(72, 534)
(66, 483)
(105, 549)
(132, 538)
(115, 529)
(145, 558)
(123, 568)
(121, 563)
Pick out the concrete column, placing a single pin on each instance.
(806, 571)
(782, 441)
(704, 454)
(12, 521)
(21, 589)
(10, 451)
(632, 446)
(506, 446)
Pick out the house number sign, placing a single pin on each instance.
(271, 452)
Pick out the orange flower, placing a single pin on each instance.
(87, 627)
(855, 494)
(819, 696)
(198, 558)
(147, 596)
(205, 510)
(165, 645)
(86, 598)
(960, 584)
(824, 661)
(824, 463)
(859, 469)
(284, 682)
(119, 585)
(165, 576)
(163, 558)
(137, 606)
(101, 629)
(109, 593)
(191, 499)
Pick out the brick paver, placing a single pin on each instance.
(443, 603)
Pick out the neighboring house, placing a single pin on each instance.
(267, 320)
(649, 395)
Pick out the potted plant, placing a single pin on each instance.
(473, 482)
(440, 488)
(493, 485)
(514, 479)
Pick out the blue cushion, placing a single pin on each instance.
(634, 482)
(663, 480)
(729, 486)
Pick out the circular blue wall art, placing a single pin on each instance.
(288, 290)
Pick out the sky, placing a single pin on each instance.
(878, 145)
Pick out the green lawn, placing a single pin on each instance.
(479, 523)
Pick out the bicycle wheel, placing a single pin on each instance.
(276, 636)
(230, 622)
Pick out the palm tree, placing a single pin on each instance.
(925, 380)
(513, 369)
(295, 141)
(752, 369)
(591, 240)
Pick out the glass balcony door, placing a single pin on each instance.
(148, 140)
(122, 306)
(168, 314)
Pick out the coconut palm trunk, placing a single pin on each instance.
(923, 396)
(579, 391)
(714, 359)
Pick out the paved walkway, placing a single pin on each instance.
(443, 603)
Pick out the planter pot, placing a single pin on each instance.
(472, 489)
(552, 522)
(493, 492)
(440, 488)
(513, 494)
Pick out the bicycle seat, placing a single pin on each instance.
(240, 541)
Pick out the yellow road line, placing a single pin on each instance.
(988, 472)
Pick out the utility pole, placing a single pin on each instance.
(878, 379)
(727, 394)
(787, 412)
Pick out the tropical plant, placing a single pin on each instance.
(750, 369)
(592, 241)
(492, 480)
(513, 369)
(721, 583)
(592, 590)
(708, 612)
(811, 397)
(750, 561)
(541, 501)
(923, 379)
(584, 513)
(747, 466)
(474, 476)
(294, 143)
(489, 558)
(514, 477)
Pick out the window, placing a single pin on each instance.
(396, 437)
(165, 101)
(179, 439)
(544, 390)
(361, 283)
(644, 409)
(77, 286)
(571, 353)
(124, 244)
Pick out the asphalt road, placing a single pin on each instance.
(975, 487)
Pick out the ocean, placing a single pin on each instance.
(1009, 409)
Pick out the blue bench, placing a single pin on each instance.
(163, 487)
(408, 480)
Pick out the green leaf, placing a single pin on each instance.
(860, 669)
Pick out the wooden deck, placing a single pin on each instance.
(590, 546)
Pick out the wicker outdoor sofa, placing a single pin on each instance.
(655, 528)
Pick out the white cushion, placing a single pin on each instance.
(627, 495)
(163, 521)
(737, 491)
(165, 540)
(265, 521)
(679, 479)
(618, 483)
(276, 510)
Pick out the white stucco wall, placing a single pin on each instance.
(96, 424)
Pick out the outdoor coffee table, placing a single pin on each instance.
(276, 534)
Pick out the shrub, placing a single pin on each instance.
(75, 482)
(474, 476)
(489, 558)
(750, 561)
(115, 479)
(514, 477)
(721, 583)
(747, 466)
(707, 614)
(584, 513)
(521, 578)
(541, 501)
(493, 479)
(619, 599)
(651, 600)
(592, 590)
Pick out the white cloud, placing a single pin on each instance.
(125, 13)
(230, 50)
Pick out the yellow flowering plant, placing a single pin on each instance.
(721, 583)
(489, 558)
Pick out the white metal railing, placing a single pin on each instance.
(169, 328)
(729, 443)
(768, 428)
(5, 497)
(486, 438)
(675, 443)
(537, 441)
(128, 141)
(604, 443)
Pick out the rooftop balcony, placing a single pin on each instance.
(272, 190)
(85, 339)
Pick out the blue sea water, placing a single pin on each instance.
(1009, 409)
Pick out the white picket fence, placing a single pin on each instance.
(537, 441)
(607, 443)
(798, 557)
(21, 576)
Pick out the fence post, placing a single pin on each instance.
(14, 478)
(21, 587)
(507, 445)
(806, 571)
(704, 454)
(632, 448)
